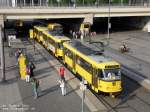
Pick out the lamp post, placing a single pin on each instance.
(109, 25)
(83, 87)
(74, 3)
(2, 58)
(121, 2)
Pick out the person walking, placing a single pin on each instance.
(35, 85)
(17, 54)
(31, 67)
(63, 87)
(62, 73)
(28, 73)
(74, 34)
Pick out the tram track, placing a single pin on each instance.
(117, 104)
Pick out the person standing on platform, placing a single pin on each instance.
(31, 67)
(62, 73)
(28, 73)
(63, 87)
(17, 54)
(74, 34)
(35, 86)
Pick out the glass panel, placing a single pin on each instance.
(100, 74)
(111, 74)
(86, 26)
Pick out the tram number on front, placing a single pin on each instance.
(113, 83)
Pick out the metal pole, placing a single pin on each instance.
(40, 3)
(24, 3)
(83, 96)
(108, 36)
(32, 3)
(121, 2)
(83, 2)
(2, 55)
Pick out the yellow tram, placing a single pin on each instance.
(51, 37)
(37, 32)
(101, 72)
(55, 27)
(53, 42)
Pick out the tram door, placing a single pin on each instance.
(95, 77)
(55, 49)
(73, 63)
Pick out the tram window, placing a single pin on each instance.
(60, 45)
(40, 33)
(50, 41)
(35, 31)
(84, 64)
(112, 71)
(69, 53)
(86, 26)
(100, 74)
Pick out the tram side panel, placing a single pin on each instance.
(91, 71)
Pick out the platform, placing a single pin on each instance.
(16, 92)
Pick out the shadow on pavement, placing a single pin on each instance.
(49, 90)
(11, 68)
(12, 80)
(43, 70)
(73, 90)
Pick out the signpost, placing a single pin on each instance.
(109, 24)
(148, 28)
(2, 62)
(83, 87)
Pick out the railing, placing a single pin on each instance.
(70, 3)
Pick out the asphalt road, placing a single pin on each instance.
(134, 98)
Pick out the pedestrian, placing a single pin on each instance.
(81, 37)
(27, 73)
(31, 67)
(74, 34)
(17, 54)
(35, 86)
(63, 87)
(71, 33)
(62, 73)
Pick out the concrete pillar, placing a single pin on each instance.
(2, 57)
(146, 23)
(88, 18)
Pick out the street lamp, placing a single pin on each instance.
(74, 3)
(109, 24)
(83, 87)
(121, 2)
(2, 58)
(58, 1)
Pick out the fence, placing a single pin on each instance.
(70, 3)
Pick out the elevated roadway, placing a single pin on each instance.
(69, 12)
